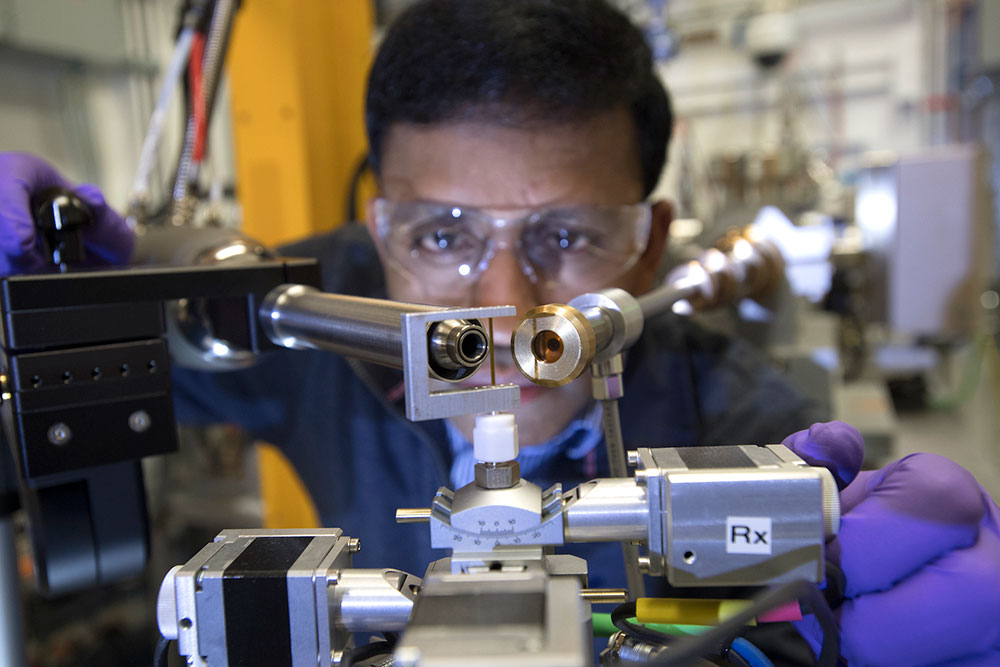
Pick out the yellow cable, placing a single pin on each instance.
(688, 612)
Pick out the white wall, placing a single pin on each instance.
(32, 116)
(89, 118)
(864, 60)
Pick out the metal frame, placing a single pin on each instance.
(86, 393)
(422, 403)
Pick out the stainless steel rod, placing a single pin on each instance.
(604, 595)
(302, 317)
(604, 510)
(372, 600)
(663, 298)
(413, 515)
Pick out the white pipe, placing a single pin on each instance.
(147, 156)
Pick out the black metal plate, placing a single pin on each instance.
(255, 594)
(714, 456)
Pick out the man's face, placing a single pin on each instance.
(511, 171)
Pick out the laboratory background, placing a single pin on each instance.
(858, 138)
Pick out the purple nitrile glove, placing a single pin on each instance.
(919, 545)
(108, 240)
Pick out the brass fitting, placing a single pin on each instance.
(553, 344)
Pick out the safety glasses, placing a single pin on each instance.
(448, 247)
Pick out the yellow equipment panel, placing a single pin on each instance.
(297, 72)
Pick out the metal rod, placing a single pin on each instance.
(662, 299)
(616, 460)
(12, 652)
(302, 317)
(604, 510)
(413, 515)
(604, 595)
(372, 600)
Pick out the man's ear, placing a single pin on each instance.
(649, 262)
(370, 223)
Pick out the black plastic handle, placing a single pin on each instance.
(60, 218)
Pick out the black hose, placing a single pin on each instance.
(689, 650)
(354, 656)
(620, 617)
(160, 655)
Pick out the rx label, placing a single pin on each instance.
(748, 535)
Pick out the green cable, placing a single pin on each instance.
(603, 627)
(970, 377)
(993, 357)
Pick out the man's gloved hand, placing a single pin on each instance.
(108, 240)
(919, 545)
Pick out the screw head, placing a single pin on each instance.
(59, 434)
(139, 421)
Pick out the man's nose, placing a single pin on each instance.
(505, 284)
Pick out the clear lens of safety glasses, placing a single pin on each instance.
(446, 245)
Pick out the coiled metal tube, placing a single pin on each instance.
(215, 54)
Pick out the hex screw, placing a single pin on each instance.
(59, 434)
(139, 421)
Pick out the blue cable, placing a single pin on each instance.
(753, 655)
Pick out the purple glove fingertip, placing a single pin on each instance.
(931, 488)
(21, 174)
(17, 236)
(110, 239)
(834, 445)
(91, 195)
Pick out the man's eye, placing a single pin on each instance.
(437, 241)
(442, 239)
(563, 238)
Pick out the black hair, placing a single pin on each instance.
(517, 62)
